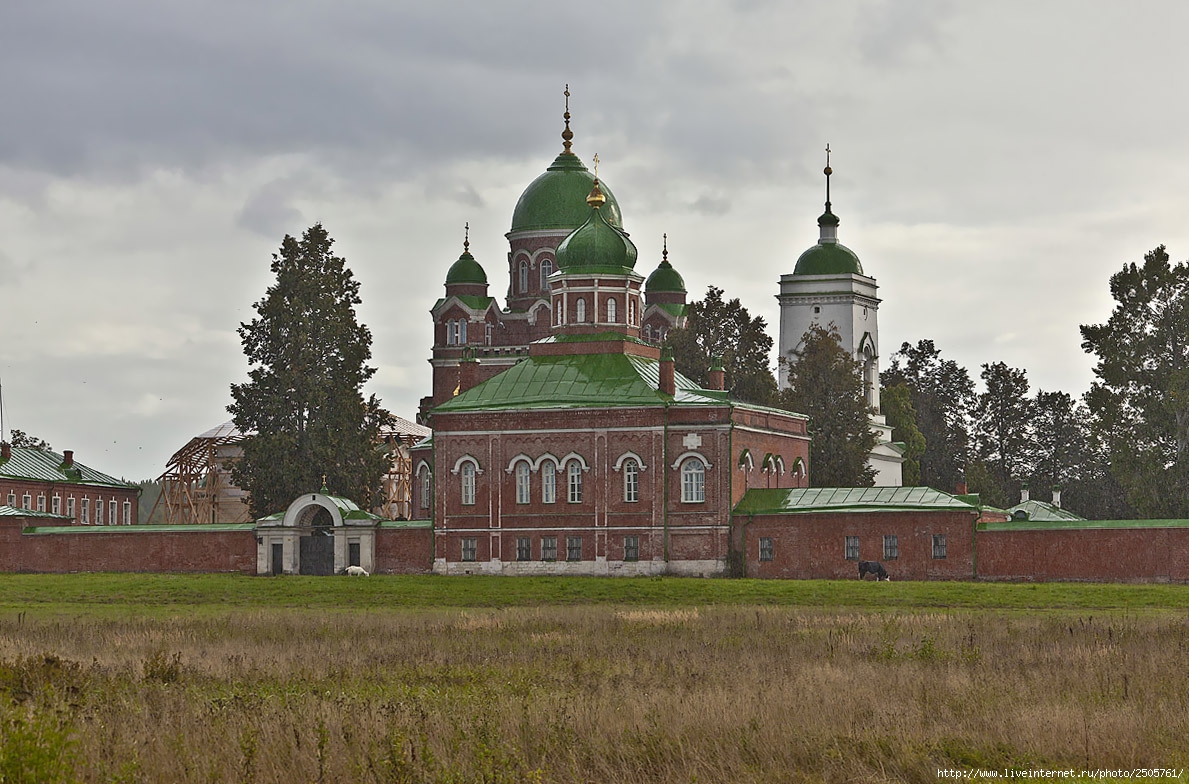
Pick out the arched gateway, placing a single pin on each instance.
(318, 534)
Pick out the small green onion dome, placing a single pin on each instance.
(596, 245)
(665, 279)
(830, 258)
(466, 270)
(557, 199)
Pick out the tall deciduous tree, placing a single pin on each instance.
(718, 328)
(1002, 431)
(22, 439)
(307, 356)
(941, 394)
(1141, 397)
(826, 383)
(896, 405)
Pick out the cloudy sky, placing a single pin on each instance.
(994, 164)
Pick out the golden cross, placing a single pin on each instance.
(596, 163)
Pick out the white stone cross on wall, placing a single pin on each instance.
(692, 441)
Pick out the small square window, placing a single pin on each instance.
(767, 548)
(524, 548)
(573, 548)
(891, 548)
(470, 549)
(852, 548)
(631, 548)
(939, 546)
(548, 548)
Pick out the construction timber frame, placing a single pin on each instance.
(196, 487)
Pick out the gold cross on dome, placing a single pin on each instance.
(596, 163)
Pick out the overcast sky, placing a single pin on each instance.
(994, 163)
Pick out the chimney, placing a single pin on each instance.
(961, 488)
(718, 374)
(468, 372)
(1024, 493)
(67, 458)
(1057, 496)
(667, 383)
(5, 452)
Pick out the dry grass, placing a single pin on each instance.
(590, 694)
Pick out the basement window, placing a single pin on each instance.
(573, 548)
(767, 548)
(631, 548)
(939, 546)
(548, 548)
(524, 548)
(470, 549)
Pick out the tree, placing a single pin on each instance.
(22, 439)
(896, 403)
(1141, 398)
(303, 402)
(1002, 431)
(826, 383)
(941, 394)
(714, 328)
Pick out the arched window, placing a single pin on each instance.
(574, 483)
(580, 310)
(467, 475)
(648, 332)
(462, 332)
(631, 480)
(558, 320)
(425, 487)
(546, 271)
(450, 332)
(631, 311)
(693, 481)
(549, 482)
(611, 314)
(523, 276)
(522, 482)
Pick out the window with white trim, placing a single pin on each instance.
(631, 311)
(41, 502)
(546, 271)
(580, 310)
(98, 511)
(693, 481)
(27, 502)
(631, 480)
(85, 510)
(488, 332)
(549, 482)
(69, 506)
(611, 314)
(467, 479)
(56, 504)
(112, 508)
(523, 276)
(574, 482)
(522, 482)
(127, 513)
(425, 487)
(12, 498)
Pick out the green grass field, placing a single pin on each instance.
(219, 678)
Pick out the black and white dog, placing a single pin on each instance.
(875, 568)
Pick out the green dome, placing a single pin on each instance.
(557, 199)
(466, 270)
(665, 279)
(596, 246)
(828, 258)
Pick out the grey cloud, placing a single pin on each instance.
(891, 33)
(710, 205)
(462, 193)
(268, 213)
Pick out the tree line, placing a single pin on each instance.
(1120, 451)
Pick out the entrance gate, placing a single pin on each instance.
(317, 555)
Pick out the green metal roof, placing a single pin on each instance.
(665, 279)
(466, 270)
(406, 524)
(579, 381)
(848, 499)
(1040, 511)
(12, 511)
(828, 258)
(1079, 525)
(597, 247)
(42, 465)
(557, 199)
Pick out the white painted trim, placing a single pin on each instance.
(686, 455)
(541, 460)
(565, 461)
(466, 459)
(625, 456)
(519, 458)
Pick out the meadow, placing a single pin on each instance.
(212, 678)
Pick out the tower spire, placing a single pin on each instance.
(827, 171)
(567, 135)
(828, 222)
(466, 241)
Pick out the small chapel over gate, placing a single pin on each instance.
(828, 286)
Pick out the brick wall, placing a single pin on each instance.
(1092, 554)
(404, 550)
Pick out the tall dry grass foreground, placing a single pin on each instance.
(589, 694)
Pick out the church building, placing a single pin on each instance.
(564, 442)
(828, 287)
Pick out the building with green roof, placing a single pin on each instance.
(41, 480)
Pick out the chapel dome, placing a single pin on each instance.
(466, 270)
(557, 198)
(828, 258)
(596, 245)
(664, 279)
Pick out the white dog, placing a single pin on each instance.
(356, 571)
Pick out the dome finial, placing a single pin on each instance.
(665, 250)
(567, 135)
(596, 197)
(466, 241)
(827, 171)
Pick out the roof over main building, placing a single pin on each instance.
(42, 465)
(849, 499)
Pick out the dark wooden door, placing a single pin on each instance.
(278, 558)
(317, 555)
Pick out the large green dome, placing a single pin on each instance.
(596, 246)
(828, 258)
(557, 199)
(466, 270)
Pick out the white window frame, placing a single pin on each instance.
(12, 498)
(548, 482)
(580, 310)
(523, 482)
(27, 501)
(127, 513)
(574, 482)
(524, 548)
(573, 548)
(693, 481)
(41, 502)
(113, 509)
(546, 271)
(56, 504)
(631, 480)
(84, 511)
(522, 276)
(611, 314)
(98, 511)
(467, 483)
